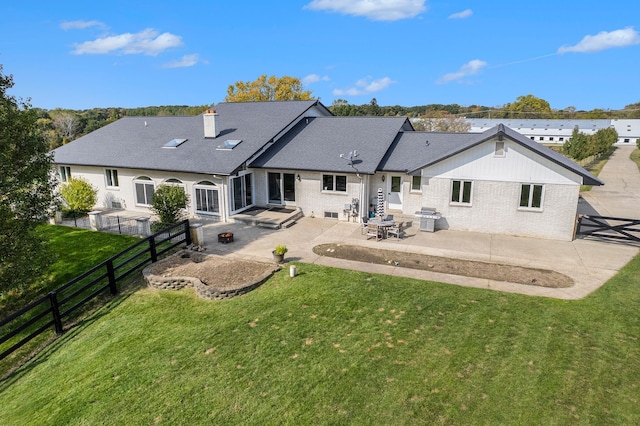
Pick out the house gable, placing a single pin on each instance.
(517, 164)
(455, 144)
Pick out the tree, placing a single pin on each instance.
(577, 146)
(272, 89)
(443, 122)
(169, 202)
(79, 195)
(528, 107)
(26, 191)
(68, 124)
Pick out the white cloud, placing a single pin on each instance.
(376, 10)
(470, 68)
(604, 40)
(81, 25)
(314, 78)
(461, 15)
(185, 61)
(365, 86)
(147, 42)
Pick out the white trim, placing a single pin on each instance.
(531, 191)
(206, 186)
(461, 193)
(145, 182)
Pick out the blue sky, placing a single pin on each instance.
(80, 54)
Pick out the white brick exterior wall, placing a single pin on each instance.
(495, 208)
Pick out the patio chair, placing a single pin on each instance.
(365, 220)
(394, 231)
(374, 231)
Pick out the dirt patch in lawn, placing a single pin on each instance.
(467, 268)
(215, 271)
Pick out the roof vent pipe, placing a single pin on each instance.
(209, 117)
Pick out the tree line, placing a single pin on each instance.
(582, 146)
(60, 126)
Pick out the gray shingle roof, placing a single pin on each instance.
(316, 144)
(136, 142)
(412, 151)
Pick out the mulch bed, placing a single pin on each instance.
(467, 268)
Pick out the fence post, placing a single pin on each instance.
(144, 227)
(95, 220)
(152, 249)
(113, 288)
(55, 310)
(187, 233)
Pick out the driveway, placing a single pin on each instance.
(620, 194)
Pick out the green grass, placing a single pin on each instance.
(635, 157)
(342, 347)
(595, 165)
(74, 252)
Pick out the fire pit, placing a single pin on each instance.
(225, 237)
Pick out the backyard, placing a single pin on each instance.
(331, 346)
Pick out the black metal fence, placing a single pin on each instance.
(613, 228)
(120, 225)
(64, 303)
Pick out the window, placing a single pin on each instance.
(561, 139)
(550, 138)
(334, 183)
(531, 196)
(416, 183)
(207, 201)
(112, 177)
(229, 144)
(541, 138)
(174, 143)
(461, 192)
(627, 140)
(144, 190)
(65, 173)
(499, 151)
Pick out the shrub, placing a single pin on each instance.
(169, 203)
(79, 195)
(281, 249)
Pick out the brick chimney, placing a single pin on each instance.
(209, 117)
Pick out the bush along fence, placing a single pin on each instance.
(64, 303)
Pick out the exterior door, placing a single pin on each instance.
(282, 188)
(395, 192)
(289, 188)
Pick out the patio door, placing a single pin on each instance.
(395, 193)
(282, 188)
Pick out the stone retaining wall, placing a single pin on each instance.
(203, 290)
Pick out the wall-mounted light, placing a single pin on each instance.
(383, 178)
(298, 178)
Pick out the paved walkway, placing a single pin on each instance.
(589, 262)
(620, 194)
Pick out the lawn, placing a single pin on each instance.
(635, 157)
(341, 347)
(74, 251)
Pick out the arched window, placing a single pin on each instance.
(175, 182)
(144, 188)
(206, 198)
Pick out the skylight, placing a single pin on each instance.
(174, 143)
(229, 144)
